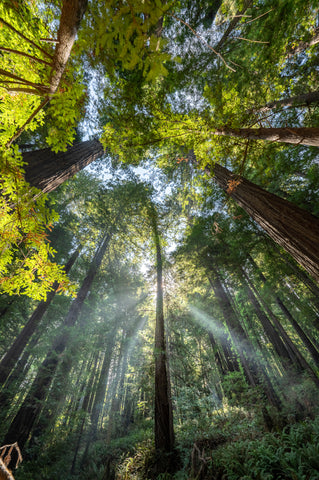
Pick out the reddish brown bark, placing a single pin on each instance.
(71, 16)
(295, 135)
(296, 230)
(303, 100)
(164, 432)
(47, 170)
(5, 474)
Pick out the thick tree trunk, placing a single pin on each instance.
(29, 411)
(11, 357)
(303, 100)
(164, 433)
(71, 16)
(295, 135)
(47, 170)
(293, 228)
(255, 374)
(290, 226)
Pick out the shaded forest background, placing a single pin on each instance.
(159, 308)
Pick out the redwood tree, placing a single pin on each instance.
(30, 409)
(164, 432)
(293, 228)
(9, 360)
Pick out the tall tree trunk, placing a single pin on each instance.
(11, 357)
(71, 16)
(293, 228)
(47, 170)
(303, 336)
(117, 396)
(255, 374)
(220, 361)
(101, 387)
(297, 359)
(295, 135)
(95, 405)
(303, 277)
(235, 329)
(271, 333)
(164, 432)
(296, 230)
(302, 100)
(29, 411)
(84, 409)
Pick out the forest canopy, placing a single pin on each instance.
(159, 171)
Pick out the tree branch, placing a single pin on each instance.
(11, 50)
(256, 18)
(28, 91)
(25, 38)
(248, 40)
(37, 110)
(202, 40)
(21, 80)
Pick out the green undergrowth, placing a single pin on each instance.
(236, 447)
(231, 443)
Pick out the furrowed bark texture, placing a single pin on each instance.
(164, 433)
(302, 100)
(297, 136)
(71, 16)
(293, 228)
(46, 170)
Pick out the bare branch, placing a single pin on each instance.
(21, 80)
(10, 50)
(248, 40)
(202, 40)
(28, 91)
(250, 21)
(49, 40)
(232, 25)
(25, 38)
